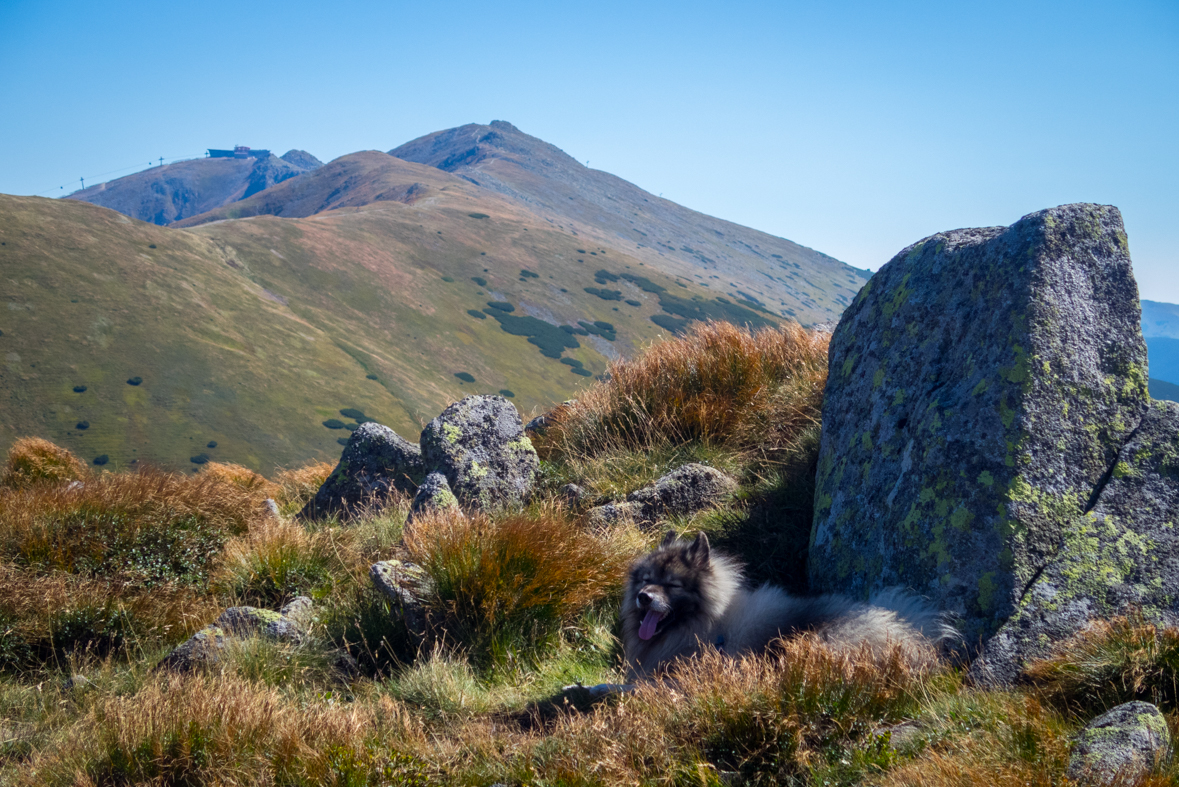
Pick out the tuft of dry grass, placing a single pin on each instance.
(501, 588)
(719, 384)
(32, 460)
(298, 486)
(1112, 661)
(242, 477)
(278, 559)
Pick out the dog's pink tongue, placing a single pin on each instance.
(650, 622)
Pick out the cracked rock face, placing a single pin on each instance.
(375, 462)
(479, 445)
(1121, 746)
(980, 389)
(1122, 554)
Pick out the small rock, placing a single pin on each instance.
(479, 444)
(271, 508)
(572, 493)
(375, 462)
(433, 495)
(545, 420)
(682, 492)
(78, 683)
(299, 609)
(203, 647)
(207, 645)
(405, 585)
(1120, 746)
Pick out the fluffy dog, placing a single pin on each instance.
(683, 597)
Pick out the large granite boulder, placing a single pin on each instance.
(375, 462)
(1122, 554)
(479, 444)
(981, 387)
(1121, 746)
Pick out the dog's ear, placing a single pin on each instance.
(668, 540)
(699, 551)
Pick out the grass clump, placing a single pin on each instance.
(502, 588)
(718, 384)
(275, 561)
(1112, 661)
(33, 461)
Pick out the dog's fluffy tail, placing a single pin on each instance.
(918, 614)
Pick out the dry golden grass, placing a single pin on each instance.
(228, 731)
(278, 559)
(718, 384)
(1112, 661)
(505, 585)
(298, 486)
(242, 477)
(32, 460)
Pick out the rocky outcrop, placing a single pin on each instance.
(1121, 746)
(682, 492)
(433, 495)
(479, 444)
(981, 389)
(240, 623)
(375, 462)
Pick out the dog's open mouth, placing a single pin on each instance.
(650, 623)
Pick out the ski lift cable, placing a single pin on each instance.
(168, 159)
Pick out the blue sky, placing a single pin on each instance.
(854, 128)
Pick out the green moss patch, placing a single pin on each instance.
(135, 381)
(82, 425)
(527, 274)
(79, 389)
(601, 277)
(507, 393)
(478, 315)
(478, 215)
(582, 372)
(211, 444)
(633, 303)
(643, 283)
(354, 414)
(199, 459)
(101, 459)
(466, 377)
(597, 328)
(572, 362)
(482, 282)
(703, 310)
(334, 423)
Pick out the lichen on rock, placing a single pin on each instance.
(980, 387)
(375, 462)
(1120, 746)
(479, 445)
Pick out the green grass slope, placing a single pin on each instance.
(251, 333)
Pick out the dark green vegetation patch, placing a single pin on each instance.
(527, 274)
(101, 459)
(354, 414)
(478, 315)
(507, 393)
(371, 377)
(482, 282)
(334, 423)
(211, 444)
(602, 277)
(448, 279)
(572, 362)
(643, 283)
(79, 389)
(502, 306)
(597, 329)
(633, 303)
(702, 310)
(478, 215)
(199, 459)
(342, 440)
(82, 425)
(551, 340)
(135, 381)
(606, 295)
(466, 377)
(582, 372)
(669, 323)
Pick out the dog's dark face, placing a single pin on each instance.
(666, 586)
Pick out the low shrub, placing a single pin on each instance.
(135, 381)
(354, 414)
(501, 589)
(101, 459)
(199, 459)
(32, 461)
(551, 340)
(143, 528)
(211, 444)
(606, 295)
(79, 389)
(572, 362)
(466, 377)
(502, 306)
(83, 425)
(478, 315)
(334, 423)
(527, 274)
(482, 282)
(629, 302)
(507, 393)
(604, 276)
(448, 279)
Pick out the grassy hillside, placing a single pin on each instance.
(251, 333)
